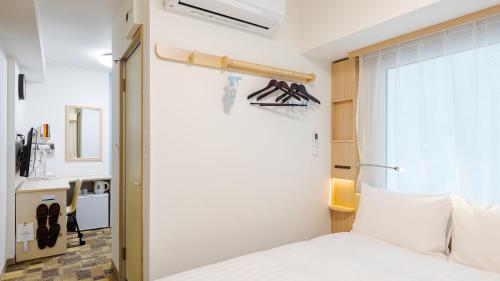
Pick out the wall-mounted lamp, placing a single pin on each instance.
(395, 168)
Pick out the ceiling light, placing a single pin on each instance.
(106, 60)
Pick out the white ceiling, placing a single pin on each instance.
(20, 36)
(432, 12)
(76, 32)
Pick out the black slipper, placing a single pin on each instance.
(42, 234)
(42, 212)
(42, 221)
(53, 235)
(54, 210)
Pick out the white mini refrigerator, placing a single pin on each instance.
(92, 211)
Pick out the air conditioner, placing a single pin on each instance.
(132, 18)
(254, 15)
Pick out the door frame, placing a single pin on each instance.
(137, 41)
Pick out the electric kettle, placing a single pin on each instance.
(100, 187)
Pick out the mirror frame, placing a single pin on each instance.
(69, 158)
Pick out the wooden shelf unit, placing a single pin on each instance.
(343, 120)
(343, 206)
(342, 209)
(345, 76)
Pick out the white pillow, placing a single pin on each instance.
(416, 222)
(476, 235)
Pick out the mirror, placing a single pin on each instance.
(83, 133)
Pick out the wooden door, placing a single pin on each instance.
(133, 166)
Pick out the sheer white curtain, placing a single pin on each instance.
(432, 107)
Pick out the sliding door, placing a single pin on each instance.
(133, 166)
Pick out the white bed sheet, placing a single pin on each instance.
(336, 257)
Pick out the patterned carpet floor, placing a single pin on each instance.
(89, 262)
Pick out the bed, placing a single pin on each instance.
(342, 257)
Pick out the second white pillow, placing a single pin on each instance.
(476, 234)
(416, 222)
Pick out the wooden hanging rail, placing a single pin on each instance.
(207, 60)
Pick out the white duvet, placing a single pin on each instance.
(336, 257)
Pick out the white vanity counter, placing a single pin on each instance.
(42, 185)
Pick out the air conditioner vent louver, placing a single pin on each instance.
(253, 15)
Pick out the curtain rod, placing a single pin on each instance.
(426, 31)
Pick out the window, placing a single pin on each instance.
(441, 107)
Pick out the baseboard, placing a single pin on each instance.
(115, 270)
(7, 263)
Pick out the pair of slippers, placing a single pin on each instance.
(47, 236)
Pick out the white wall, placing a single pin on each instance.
(3, 157)
(45, 103)
(12, 180)
(115, 160)
(223, 185)
(119, 45)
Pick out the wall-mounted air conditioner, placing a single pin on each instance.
(253, 15)
(132, 18)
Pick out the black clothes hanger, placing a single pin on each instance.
(271, 84)
(294, 87)
(280, 85)
(283, 86)
(302, 89)
(276, 104)
(295, 91)
(292, 91)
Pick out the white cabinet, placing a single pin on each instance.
(93, 211)
(30, 195)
